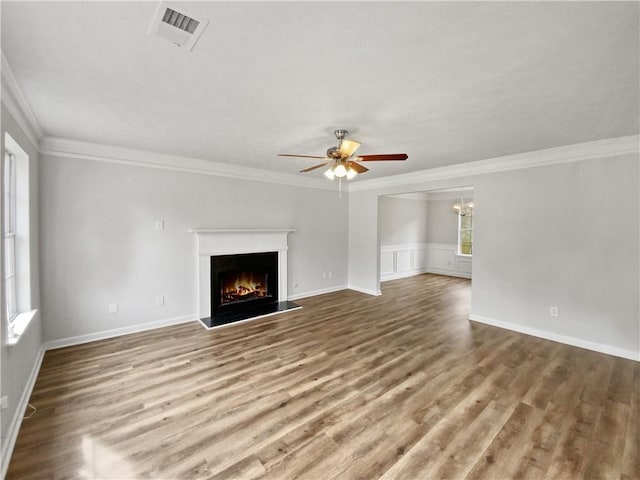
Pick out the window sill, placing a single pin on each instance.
(464, 255)
(19, 326)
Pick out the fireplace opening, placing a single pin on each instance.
(243, 282)
(243, 286)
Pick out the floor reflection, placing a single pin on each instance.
(101, 462)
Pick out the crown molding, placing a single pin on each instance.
(16, 102)
(63, 147)
(610, 147)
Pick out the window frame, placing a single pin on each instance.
(9, 238)
(16, 242)
(460, 230)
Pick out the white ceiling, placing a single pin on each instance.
(445, 83)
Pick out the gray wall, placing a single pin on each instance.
(100, 245)
(564, 235)
(17, 361)
(443, 223)
(403, 221)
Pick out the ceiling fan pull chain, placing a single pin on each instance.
(340, 187)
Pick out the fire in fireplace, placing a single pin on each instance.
(243, 282)
(243, 286)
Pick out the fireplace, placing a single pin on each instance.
(236, 287)
(242, 274)
(243, 282)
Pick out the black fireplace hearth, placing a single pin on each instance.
(244, 286)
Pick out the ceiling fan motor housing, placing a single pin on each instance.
(334, 152)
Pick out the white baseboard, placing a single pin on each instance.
(556, 337)
(450, 273)
(396, 275)
(313, 293)
(92, 337)
(16, 421)
(365, 290)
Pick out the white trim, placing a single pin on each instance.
(16, 421)
(396, 275)
(22, 321)
(449, 273)
(610, 147)
(404, 246)
(117, 332)
(313, 293)
(556, 337)
(375, 293)
(62, 147)
(16, 102)
(241, 230)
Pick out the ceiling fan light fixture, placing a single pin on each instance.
(340, 171)
(351, 173)
(330, 174)
(348, 148)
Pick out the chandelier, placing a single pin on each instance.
(462, 208)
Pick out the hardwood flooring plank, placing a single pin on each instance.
(351, 386)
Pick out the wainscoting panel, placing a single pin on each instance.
(387, 263)
(442, 258)
(403, 260)
(397, 261)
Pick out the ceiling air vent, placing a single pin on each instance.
(176, 25)
(178, 20)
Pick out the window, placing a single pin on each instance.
(9, 236)
(15, 238)
(465, 234)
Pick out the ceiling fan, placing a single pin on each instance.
(341, 159)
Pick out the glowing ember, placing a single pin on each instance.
(243, 286)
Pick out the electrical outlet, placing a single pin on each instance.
(113, 308)
(330, 275)
(553, 311)
(4, 402)
(159, 224)
(324, 274)
(160, 300)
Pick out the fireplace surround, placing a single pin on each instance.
(242, 281)
(223, 255)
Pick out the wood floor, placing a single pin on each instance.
(351, 386)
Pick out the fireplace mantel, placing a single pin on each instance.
(213, 241)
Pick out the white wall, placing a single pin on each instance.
(442, 226)
(402, 221)
(364, 265)
(100, 245)
(17, 361)
(564, 235)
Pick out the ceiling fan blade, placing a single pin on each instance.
(357, 167)
(308, 169)
(300, 156)
(348, 148)
(383, 157)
